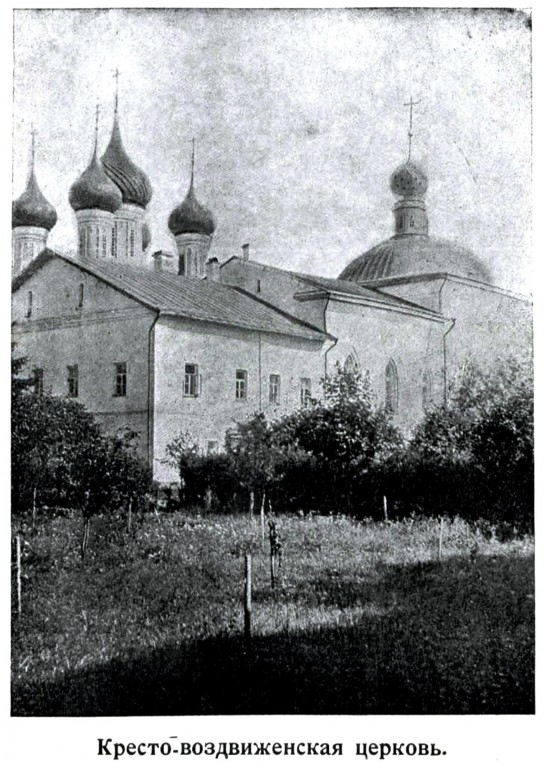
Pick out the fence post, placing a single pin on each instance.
(385, 509)
(247, 601)
(34, 509)
(262, 519)
(440, 538)
(19, 591)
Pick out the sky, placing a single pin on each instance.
(299, 120)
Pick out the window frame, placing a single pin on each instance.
(38, 381)
(192, 381)
(274, 389)
(305, 390)
(72, 380)
(121, 370)
(241, 386)
(391, 388)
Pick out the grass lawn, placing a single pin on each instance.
(367, 619)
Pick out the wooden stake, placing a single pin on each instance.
(19, 590)
(129, 521)
(34, 509)
(251, 503)
(247, 601)
(262, 519)
(85, 539)
(385, 509)
(440, 538)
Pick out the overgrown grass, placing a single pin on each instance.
(367, 619)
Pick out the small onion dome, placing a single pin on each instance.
(31, 209)
(94, 189)
(408, 180)
(134, 185)
(146, 236)
(191, 217)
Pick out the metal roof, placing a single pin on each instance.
(346, 287)
(191, 298)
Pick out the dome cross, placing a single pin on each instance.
(410, 104)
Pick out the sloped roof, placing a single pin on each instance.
(346, 287)
(186, 297)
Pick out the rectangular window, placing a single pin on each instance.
(113, 240)
(191, 384)
(73, 381)
(38, 381)
(104, 246)
(132, 243)
(274, 389)
(241, 385)
(120, 379)
(29, 304)
(305, 391)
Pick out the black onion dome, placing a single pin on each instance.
(133, 184)
(191, 217)
(408, 180)
(32, 209)
(415, 255)
(95, 190)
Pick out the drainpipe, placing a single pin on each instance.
(260, 373)
(151, 391)
(445, 360)
(335, 342)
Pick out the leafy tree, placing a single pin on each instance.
(344, 434)
(474, 455)
(59, 453)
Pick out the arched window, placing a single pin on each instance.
(427, 389)
(391, 387)
(351, 365)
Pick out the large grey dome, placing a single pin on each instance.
(415, 255)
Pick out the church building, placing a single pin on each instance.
(163, 343)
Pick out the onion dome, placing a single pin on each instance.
(32, 209)
(412, 251)
(132, 182)
(408, 180)
(191, 217)
(146, 236)
(94, 189)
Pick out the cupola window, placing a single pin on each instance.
(132, 243)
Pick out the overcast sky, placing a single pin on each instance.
(299, 121)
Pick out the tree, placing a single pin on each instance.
(474, 455)
(344, 435)
(60, 453)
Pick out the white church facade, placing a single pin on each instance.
(163, 343)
